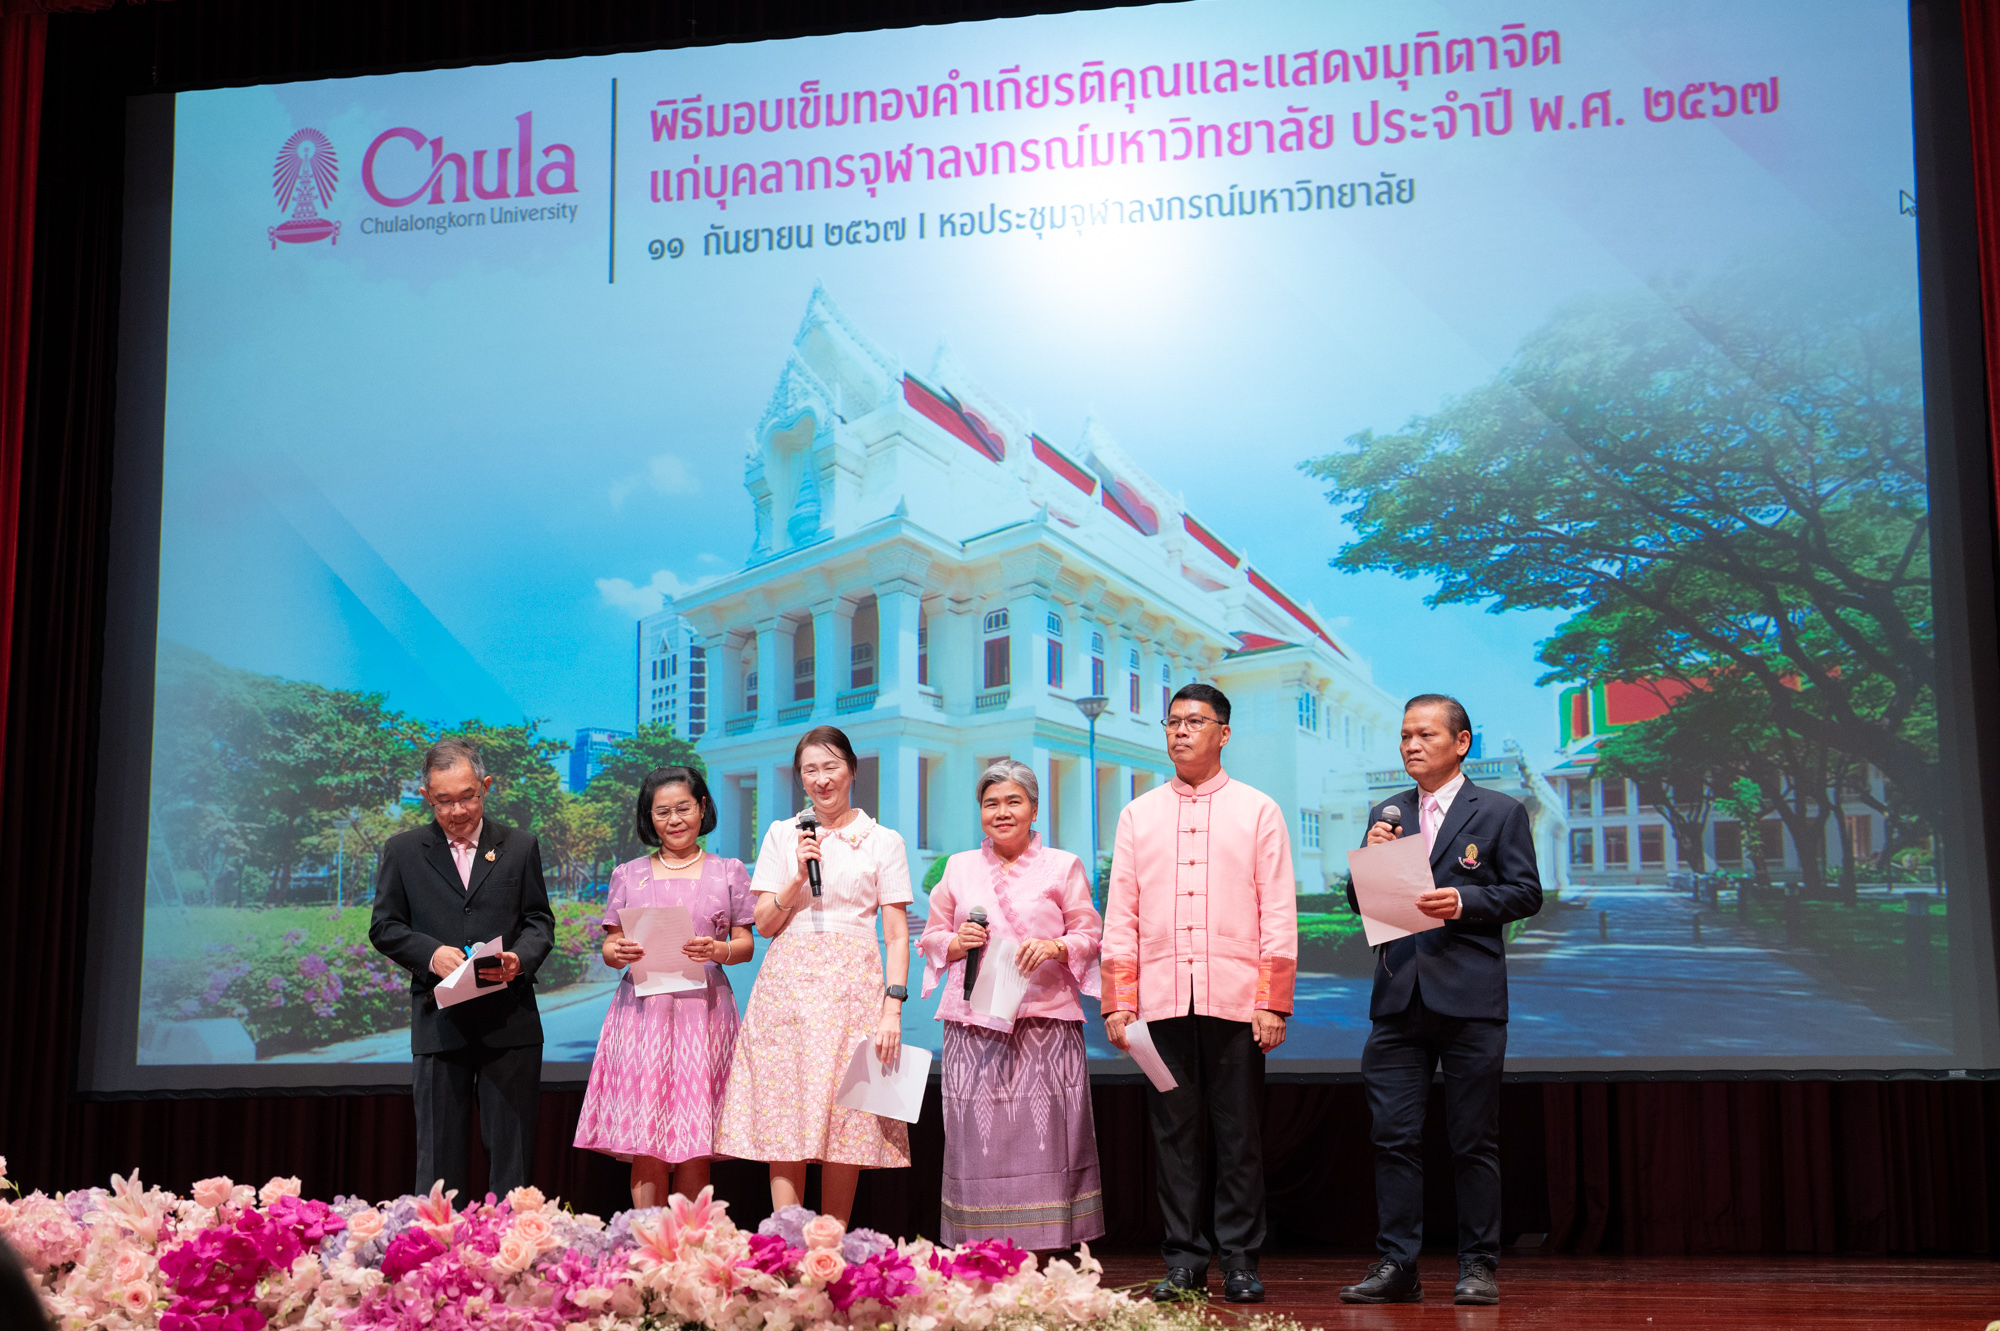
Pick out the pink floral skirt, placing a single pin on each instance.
(817, 996)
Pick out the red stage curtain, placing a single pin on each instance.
(1982, 87)
(21, 40)
(1897, 1166)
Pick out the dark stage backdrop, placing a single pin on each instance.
(1891, 1166)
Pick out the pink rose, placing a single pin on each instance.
(533, 1229)
(130, 1266)
(514, 1256)
(276, 1188)
(135, 1297)
(823, 1231)
(213, 1192)
(822, 1266)
(364, 1227)
(526, 1199)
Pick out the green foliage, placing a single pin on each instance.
(521, 761)
(935, 874)
(295, 977)
(303, 976)
(614, 791)
(1717, 480)
(1334, 944)
(251, 770)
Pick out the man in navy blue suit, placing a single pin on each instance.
(1440, 1000)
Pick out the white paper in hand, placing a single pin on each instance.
(1147, 1056)
(1000, 987)
(463, 983)
(662, 931)
(1388, 879)
(896, 1092)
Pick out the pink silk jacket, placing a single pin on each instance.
(1201, 908)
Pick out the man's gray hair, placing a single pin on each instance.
(449, 753)
(1007, 769)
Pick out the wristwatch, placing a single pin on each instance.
(899, 992)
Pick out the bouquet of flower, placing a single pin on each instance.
(233, 1258)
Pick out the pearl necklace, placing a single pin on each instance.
(661, 856)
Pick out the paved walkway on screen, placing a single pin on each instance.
(1650, 990)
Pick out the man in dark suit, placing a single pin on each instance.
(1440, 1000)
(441, 891)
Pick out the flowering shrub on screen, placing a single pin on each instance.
(232, 1258)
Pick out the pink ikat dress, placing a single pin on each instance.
(663, 1062)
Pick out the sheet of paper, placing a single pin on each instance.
(1001, 986)
(896, 1092)
(1387, 882)
(1147, 1056)
(462, 983)
(662, 931)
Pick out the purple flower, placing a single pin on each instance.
(312, 966)
(858, 1245)
(620, 1228)
(294, 937)
(789, 1222)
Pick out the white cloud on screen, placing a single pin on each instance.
(642, 600)
(666, 474)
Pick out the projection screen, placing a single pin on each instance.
(661, 405)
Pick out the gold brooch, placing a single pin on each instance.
(492, 855)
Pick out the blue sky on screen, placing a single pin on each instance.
(451, 466)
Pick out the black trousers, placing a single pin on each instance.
(1216, 1109)
(508, 1083)
(1396, 1067)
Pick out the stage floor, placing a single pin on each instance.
(1639, 1293)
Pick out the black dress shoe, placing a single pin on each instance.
(1387, 1282)
(1182, 1284)
(1477, 1282)
(1243, 1287)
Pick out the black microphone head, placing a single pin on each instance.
(1391, 815)
(808, 824)
(978, 916)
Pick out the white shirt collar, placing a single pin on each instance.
(1444, 795)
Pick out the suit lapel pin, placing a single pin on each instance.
(492, 855)
(1470, 860)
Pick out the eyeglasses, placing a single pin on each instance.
(676, 811)
(465, 803)
(1192, 724)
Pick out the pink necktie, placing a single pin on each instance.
(461, 854)
(1428, 818)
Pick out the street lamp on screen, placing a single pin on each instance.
(1093, 708)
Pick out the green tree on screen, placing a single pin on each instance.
(1716, 480)
(521, 760)
(615, 788)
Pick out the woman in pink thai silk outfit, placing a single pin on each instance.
(662, 1063)
(1020, 1152)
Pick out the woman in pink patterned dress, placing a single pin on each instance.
(663, 1061)
(1020, 1150)
(820, 992)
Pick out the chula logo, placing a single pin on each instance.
(303, 178)
(556, 176)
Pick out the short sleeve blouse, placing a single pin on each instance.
(717, 898)
(863, 867)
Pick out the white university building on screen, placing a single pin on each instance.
(943, 583)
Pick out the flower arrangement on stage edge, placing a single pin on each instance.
(233, 1258)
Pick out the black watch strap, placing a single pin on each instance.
(899, 992)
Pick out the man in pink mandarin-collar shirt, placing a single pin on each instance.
(1201, 943)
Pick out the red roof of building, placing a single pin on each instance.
(1060, 465)
(942, 409)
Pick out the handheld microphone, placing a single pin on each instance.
(972, 954)
(1391, 815)
(809, 826)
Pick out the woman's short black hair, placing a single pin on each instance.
(675, 775)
